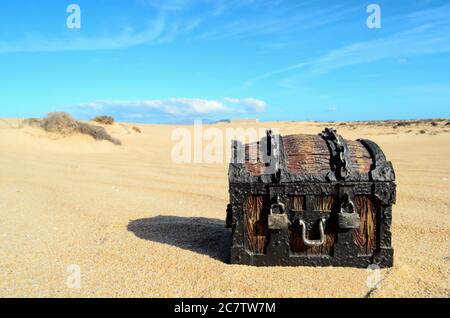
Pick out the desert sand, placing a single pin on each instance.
(138, 224)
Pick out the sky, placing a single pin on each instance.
(158, 61)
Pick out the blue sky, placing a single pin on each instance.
(172, 61)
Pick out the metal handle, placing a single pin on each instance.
(308, 242)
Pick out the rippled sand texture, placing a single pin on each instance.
(137, 224)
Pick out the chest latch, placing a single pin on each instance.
(278, 219)
(347, 217)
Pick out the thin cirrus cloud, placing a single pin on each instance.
(157, 31)
(164, 5)
(128, 37)
(163, 29)
(430, 36)
(172, 108)
(278, 19)
(176, 19)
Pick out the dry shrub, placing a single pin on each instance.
(33, 122)
(423, 131)
(136, 129)
(433, 123)
(97, 132)
(227, 121)
(403, 123)
(65, 124)
(106, 120)
(59, 122)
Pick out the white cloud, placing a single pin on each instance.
(251, 104)
(172, 107)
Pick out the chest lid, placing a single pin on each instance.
(326, 157)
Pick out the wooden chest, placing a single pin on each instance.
(313, 200)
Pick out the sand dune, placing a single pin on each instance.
(139, 225)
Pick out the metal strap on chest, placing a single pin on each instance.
(272, 153)
(338, 148)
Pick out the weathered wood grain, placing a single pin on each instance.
(256, 211)
(306, 154)
(360, 159)
(365, 237)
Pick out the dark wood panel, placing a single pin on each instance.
(365, 237)
(256, 211)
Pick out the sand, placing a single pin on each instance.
(138, 224)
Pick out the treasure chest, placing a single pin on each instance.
(312, 200)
